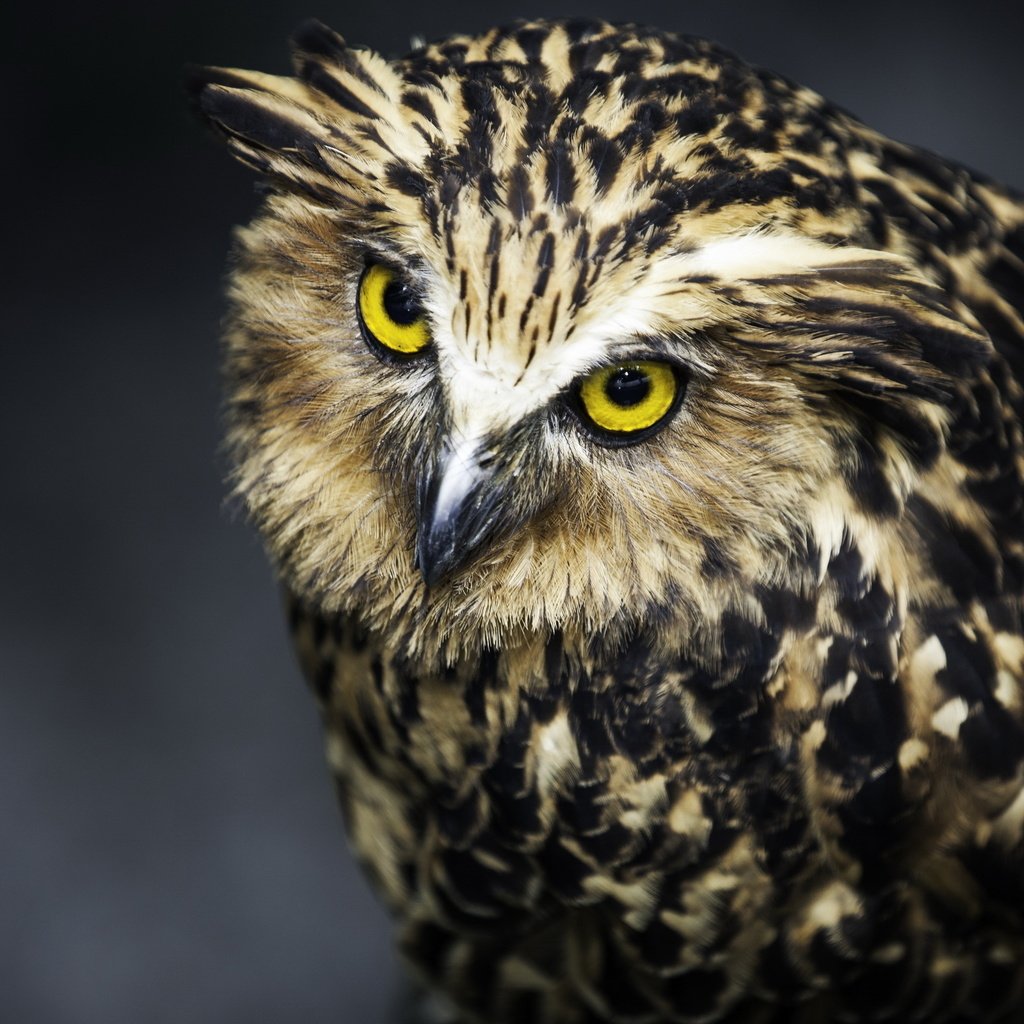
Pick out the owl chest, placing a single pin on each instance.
(644, 833)
(490, 803)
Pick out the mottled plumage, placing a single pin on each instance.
(720, 720)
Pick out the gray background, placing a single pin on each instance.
(171, 849)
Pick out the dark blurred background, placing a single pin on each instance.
(171, 850)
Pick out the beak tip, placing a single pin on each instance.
(431, 577)
(433, 560)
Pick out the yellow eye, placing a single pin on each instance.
(628, 398)
(390, 313)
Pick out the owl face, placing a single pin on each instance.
(537, 331)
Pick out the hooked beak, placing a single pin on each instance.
(459, 505)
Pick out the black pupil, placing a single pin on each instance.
(400, 303)
(628, 386)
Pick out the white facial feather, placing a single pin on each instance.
(488, 387)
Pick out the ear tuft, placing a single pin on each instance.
(248, 118)
(197, 79)
(343, 75)
(314, 39)
(327, 131)
(267, 122)
(336, 89)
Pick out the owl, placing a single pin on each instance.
(638, 440)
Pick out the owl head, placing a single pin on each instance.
(567, 327)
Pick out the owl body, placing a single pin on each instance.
(638, 438)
